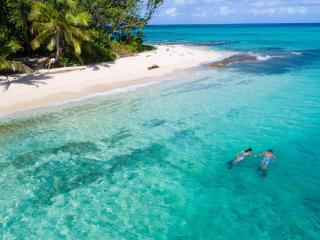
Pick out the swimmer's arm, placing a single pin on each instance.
(239, 154)
(260, 155)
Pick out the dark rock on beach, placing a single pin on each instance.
(153, 66)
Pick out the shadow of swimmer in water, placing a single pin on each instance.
(267, 158)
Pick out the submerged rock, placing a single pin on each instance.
(233, 59)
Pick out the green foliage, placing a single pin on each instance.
(14, 17)
(74, 31)
(7, 66)
(91, 53)
(59, 23)
(151, 8)
(8, 48)
(128, 49)
(66, 61)
(130, 44)
(144, 48)
(97, 53)
(121, 15)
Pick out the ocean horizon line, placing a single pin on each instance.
(234, 24)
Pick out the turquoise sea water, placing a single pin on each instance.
(150, 163)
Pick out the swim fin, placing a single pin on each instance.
(230, 164)
(263, 173)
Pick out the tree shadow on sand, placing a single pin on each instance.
(97, 67)
(36, 79)
(31, 79)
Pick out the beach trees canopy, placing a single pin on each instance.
(14, 21)
(59, 21)
(121, 14)
(78, 31)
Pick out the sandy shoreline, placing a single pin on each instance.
(52, 86)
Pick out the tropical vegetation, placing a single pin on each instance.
(8, 48)
(71, 32)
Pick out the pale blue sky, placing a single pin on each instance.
(237, 11)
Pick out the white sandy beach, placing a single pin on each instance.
(51, 86)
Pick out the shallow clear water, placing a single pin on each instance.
(150, 164)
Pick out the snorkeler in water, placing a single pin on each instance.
(240, 157)
(268, 157)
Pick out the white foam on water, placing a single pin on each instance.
(263, 58)
(108, 93)
(260, 57)
(266, 57)
(297, 53)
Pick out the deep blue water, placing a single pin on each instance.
(150, 163)
(239, 36)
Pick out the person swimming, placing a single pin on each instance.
(240, 157)
(268, 157)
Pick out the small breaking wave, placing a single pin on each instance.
(116, 91)
(297, 53)
(260, 57)
(213, 43)
(264, 57)
(188, 43)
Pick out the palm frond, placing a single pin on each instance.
(51, 44)
(40, 12)
(8, 48)
(84, 35)
(42, 26)
(80, 19)
(70, 3)
(40, 38)
(59, 21)
(12, 66)
(76, 46)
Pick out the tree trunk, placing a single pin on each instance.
(58, 48)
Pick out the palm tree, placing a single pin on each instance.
(8, 48)
(57, 21)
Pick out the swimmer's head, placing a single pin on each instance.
(270, 151)
(249, 150)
